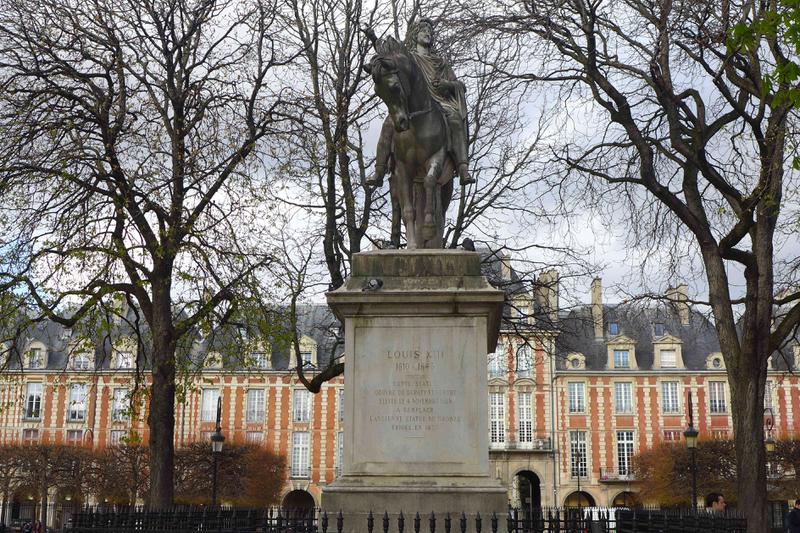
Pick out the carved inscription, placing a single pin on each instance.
(414, 402)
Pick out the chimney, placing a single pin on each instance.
(597, 307)
(546, 294)
(505, 267)
(678, 297)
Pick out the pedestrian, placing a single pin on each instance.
(37, 527)
(715, 502)
(27, 527)
(793, 518)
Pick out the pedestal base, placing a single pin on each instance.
(418, 326)
(356, 502)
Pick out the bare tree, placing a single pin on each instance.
(127, 160)
(691, 146)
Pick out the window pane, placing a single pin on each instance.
(622, 359)
(524, 361)
(302, 403)
(300, 454)
(577, 452)
(208, 409)
(716, 397)
(497, 418)
(624, 452)
(669, 359)
(77, 402)
(33, 402)
(119, 411)
(497, 361)
(669, 397)
(622, 398)
(255, 405)
(577, 400)
(524, 400)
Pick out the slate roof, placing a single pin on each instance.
(635, 320)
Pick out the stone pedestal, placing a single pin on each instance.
(415, 428)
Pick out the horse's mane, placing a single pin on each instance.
(389, 46)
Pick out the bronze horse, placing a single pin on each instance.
(423, 169)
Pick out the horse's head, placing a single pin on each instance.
(391, 71)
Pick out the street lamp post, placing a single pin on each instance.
(217, 438)
(691, 443)
(769, 443)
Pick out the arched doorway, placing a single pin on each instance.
(298, 501)
(530, 492)
(579, 499)
(625, 499)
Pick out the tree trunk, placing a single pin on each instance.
(747, 406)
(161, 417)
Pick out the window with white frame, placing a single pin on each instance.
(33, 400)
(524, 361)
(670, 398)
(301, 405)
(622, 359)
(340, 403)
(208, 405)
(306, 357)
(117, 437)
(339, 453)
(672, 435)
(74, 437)
(77, 402)
(81, 361)
(497, 418)
(577, 396)
(120, 407)
(300, 454)
(260, 360)
(35, 358)
(125, 360)
(624, 452)
(30, 436)
(716, 397)
(577, 454)
(669, 359)
(623, 397)
(768, 395)
(256, 402)
(525, 416)
(613, 328)
(497, 361)
(254, 437)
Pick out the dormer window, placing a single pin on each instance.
(81, 361)
(613, 328)
(622, 359)
(260, 360)
(307, 359)
(35, 358)
(669, 359)
(716, 362)
(125, 360)
(658, 329)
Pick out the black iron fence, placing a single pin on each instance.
(545, 520)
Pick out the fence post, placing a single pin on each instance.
(385, 522)
(370, 521)
(432, 523)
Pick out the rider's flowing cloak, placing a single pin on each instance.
(433, 66)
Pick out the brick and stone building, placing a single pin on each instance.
(574, 394)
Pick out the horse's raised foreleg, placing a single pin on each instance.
(431, 179)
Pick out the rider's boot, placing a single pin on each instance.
(464, 175)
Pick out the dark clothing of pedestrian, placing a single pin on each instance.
(793, 521)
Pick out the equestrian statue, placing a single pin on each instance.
(423, 141)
